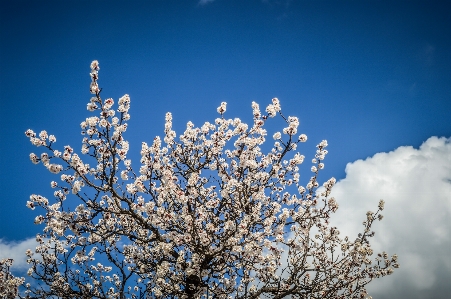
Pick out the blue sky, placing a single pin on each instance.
(371, 77)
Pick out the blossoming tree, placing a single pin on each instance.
(206, 215)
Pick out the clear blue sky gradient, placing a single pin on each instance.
(368, 76)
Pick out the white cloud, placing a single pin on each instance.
(204, 2)
(16, 251)
(416, 186)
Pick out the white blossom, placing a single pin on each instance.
(222, 108)
(303, 138)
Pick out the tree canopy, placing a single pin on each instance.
(207, 214)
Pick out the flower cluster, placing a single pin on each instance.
(273, 108)
(9, 285)
(207, 212)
